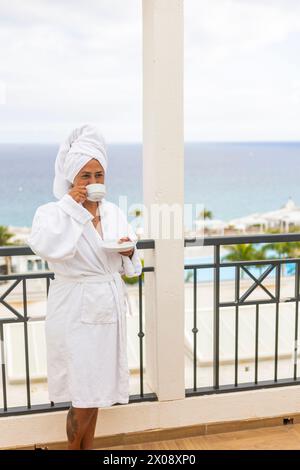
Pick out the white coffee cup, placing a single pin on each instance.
(95, 192)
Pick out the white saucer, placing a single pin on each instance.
(116, 247)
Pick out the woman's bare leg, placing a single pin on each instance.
(88, 437)
(78, 421)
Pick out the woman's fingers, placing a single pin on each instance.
(78, 193)
(128, 252)
(124, 239)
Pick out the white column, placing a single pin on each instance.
(163, 166)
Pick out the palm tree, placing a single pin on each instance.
(261, 254)
(5, 236)
(245, 252)
(284, 250)
(205, 214)
(137, 212)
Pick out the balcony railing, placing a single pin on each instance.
(238, 302)
(25, 320)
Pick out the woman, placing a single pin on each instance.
(86, 309)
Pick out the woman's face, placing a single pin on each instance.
(90, 173)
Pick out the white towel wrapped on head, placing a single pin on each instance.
(83, 144)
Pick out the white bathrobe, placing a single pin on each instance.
(86, 310)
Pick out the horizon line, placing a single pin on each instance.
(141, 143)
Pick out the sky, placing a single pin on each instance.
(63, 64)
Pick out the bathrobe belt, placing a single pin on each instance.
(114, 277)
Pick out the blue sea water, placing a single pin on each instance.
(230, 179)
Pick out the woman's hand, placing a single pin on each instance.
(78, 193)
(128, 252)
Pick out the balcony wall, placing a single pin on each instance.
(27, 430)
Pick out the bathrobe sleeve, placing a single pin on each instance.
(131, 267)
(56, 229)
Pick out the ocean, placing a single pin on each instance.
(230, 179)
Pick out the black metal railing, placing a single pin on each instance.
(23, 318)
(240, 300)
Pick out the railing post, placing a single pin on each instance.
(216, 330)
(296, 320)
(3, 367)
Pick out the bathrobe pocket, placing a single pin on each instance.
(98, 304)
